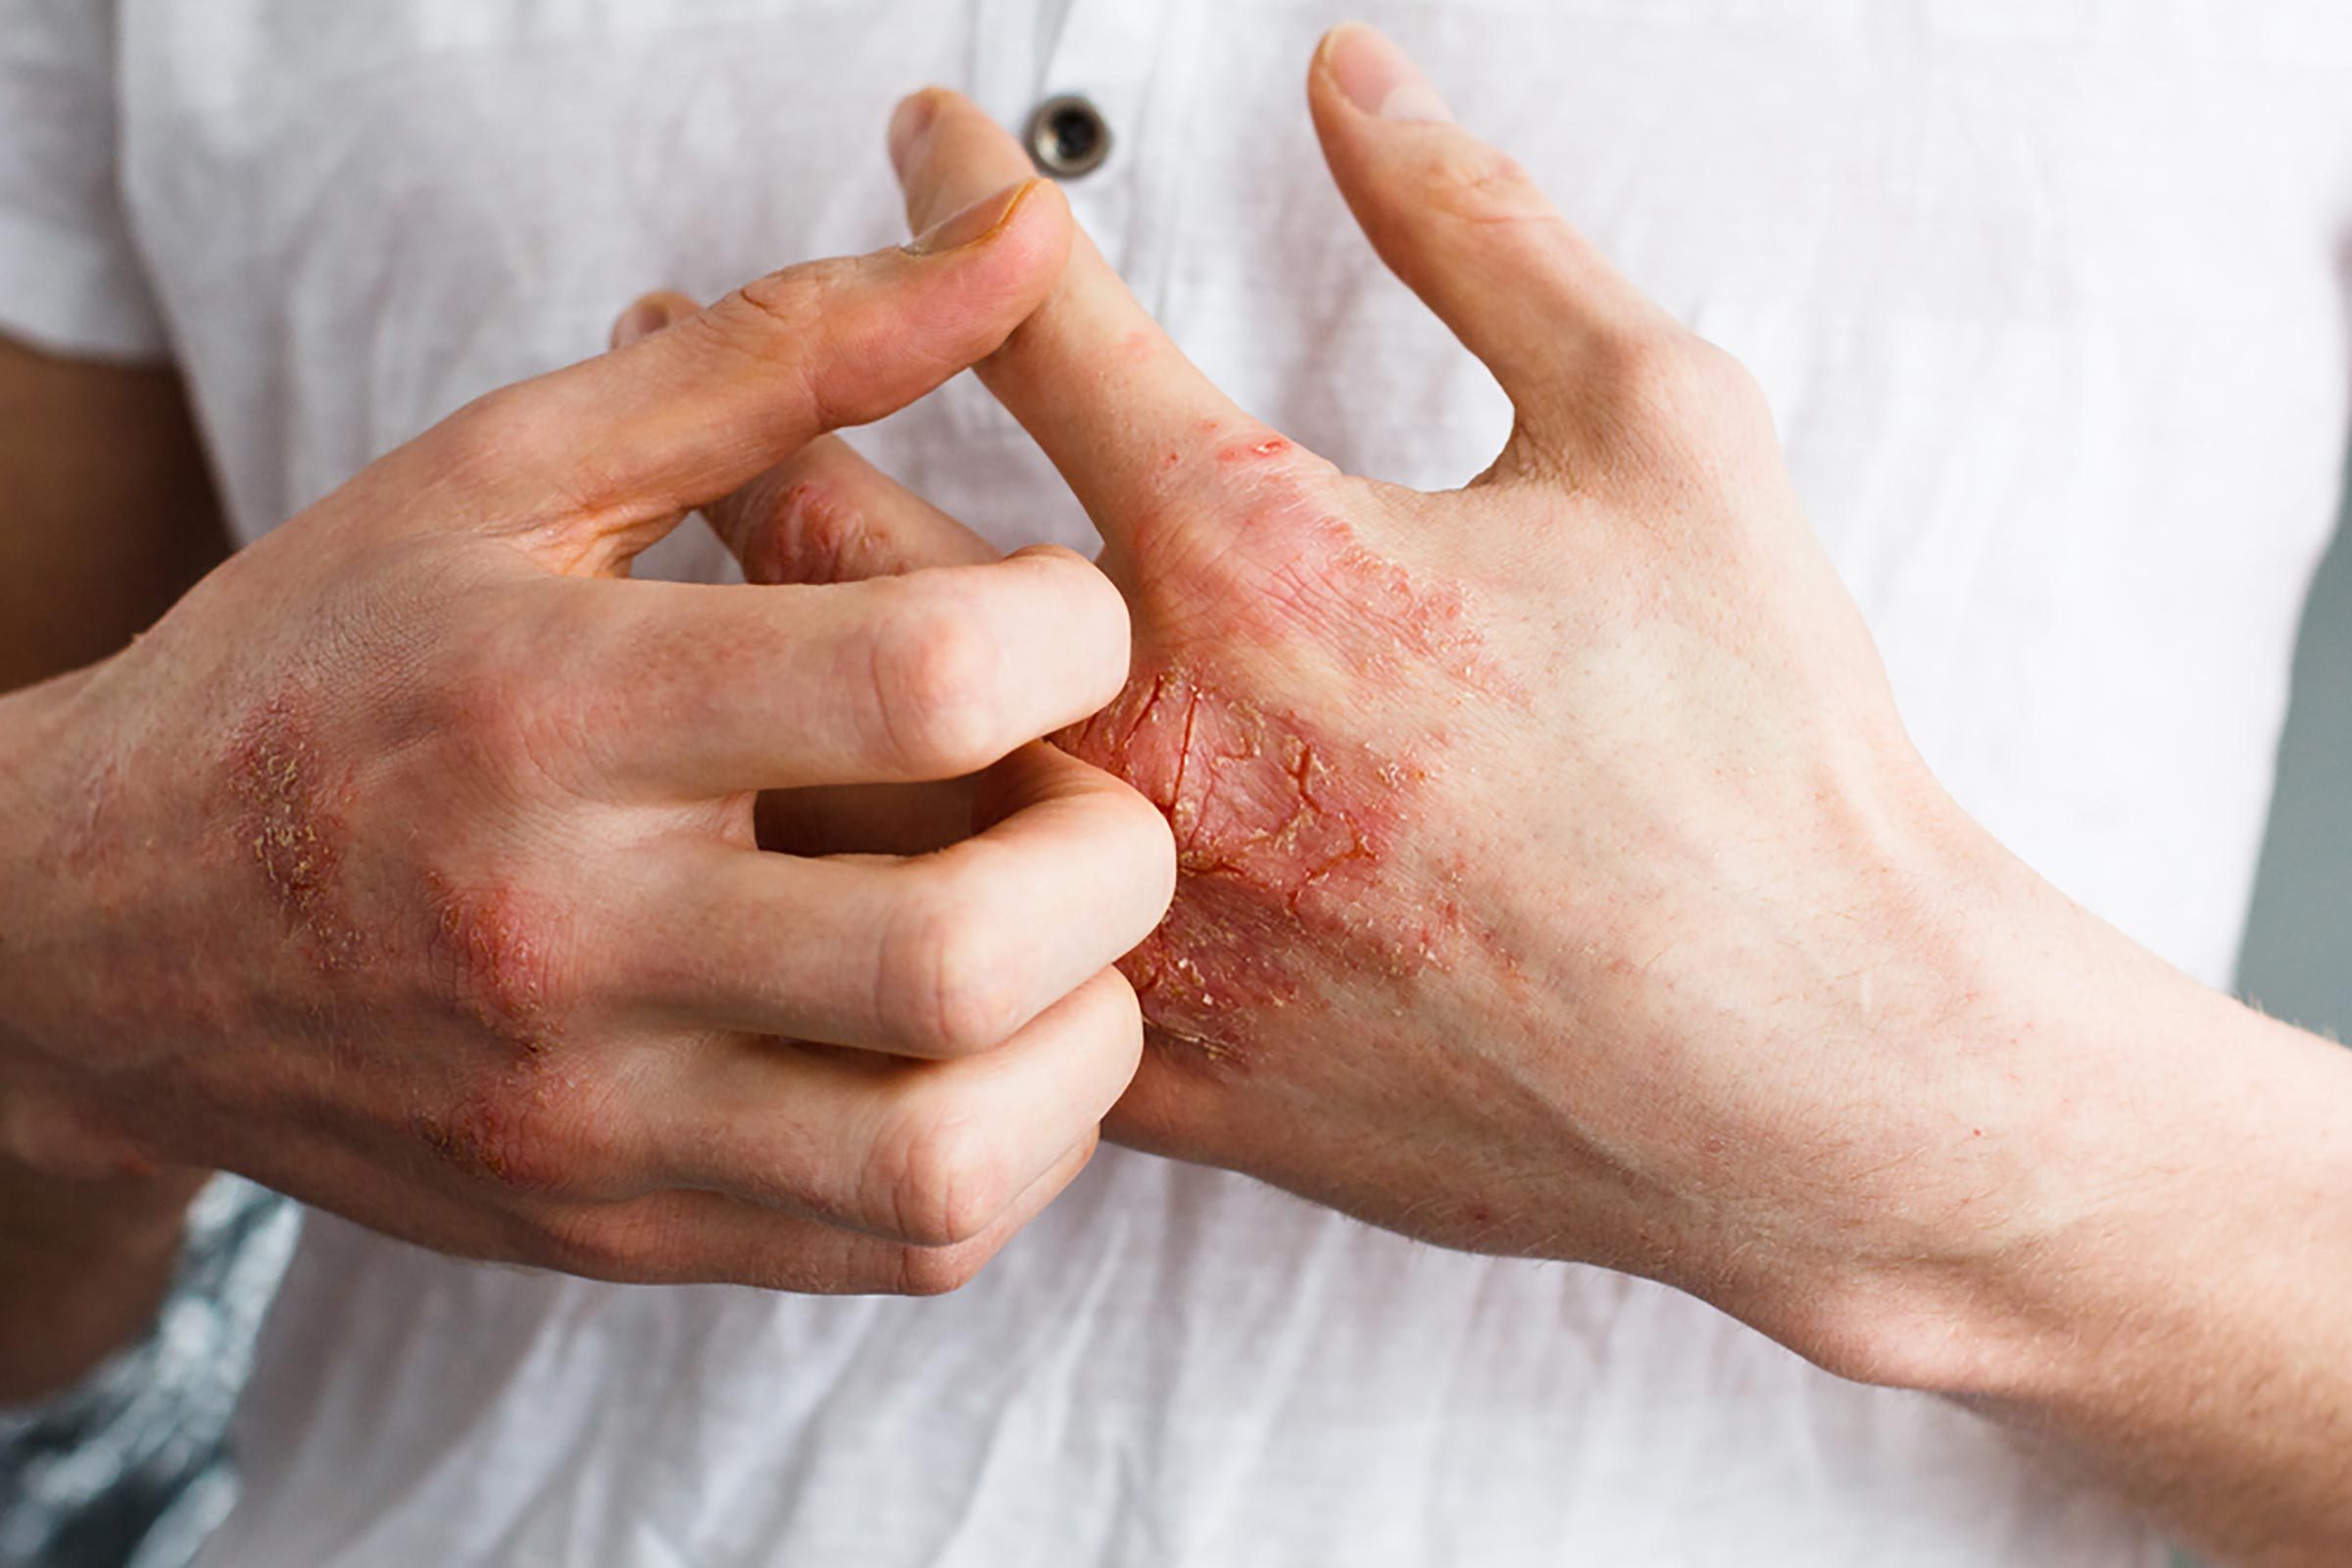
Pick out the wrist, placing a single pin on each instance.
(2113, 1132)
(54, 933)
(1986, 1049)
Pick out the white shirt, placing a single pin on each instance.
(2045, 297)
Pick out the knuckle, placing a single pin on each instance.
(475, 706)
(1668, 374)
(953, 985)
(810, 532)
(770, 316)
(785, 322)
(490, 704)
(1122, 1014)
(935, 673)
(938, 1178)
(493, 433)
(1153, 836)
(503, 1141)
(1645, 367)
(507, 952)
(1731, 388)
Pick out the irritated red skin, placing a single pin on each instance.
(1289, 832)
(499, 950)
(1283, 835)
(291, 807)
(496, 1130)
(491, 948)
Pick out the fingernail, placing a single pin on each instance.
(1380, 79)
(909, 123)
(974, 224)
(643, 318)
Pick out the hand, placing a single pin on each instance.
(1557, 878)
(1556, 875)
(408, 865)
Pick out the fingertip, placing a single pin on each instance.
(1002, 278)
(947, 150)
(1008, 248)
(1366, 70)
(911, 122)
(1102, 614)
(1319, 75)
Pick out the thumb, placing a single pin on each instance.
(1466, 229)
(595, 461)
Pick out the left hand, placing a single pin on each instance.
(1556, 875)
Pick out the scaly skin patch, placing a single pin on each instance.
(1283, 839)
(500, 955)
(811, 533)
(504, 1131)
(290, 821)
(1261, 629)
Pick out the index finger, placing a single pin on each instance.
(701, 690)
(597, 459)
(1090, 375)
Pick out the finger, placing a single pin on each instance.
(650, 313)
(826, 514)
(1101, 390)
(707, 689)
(932, 1153)
(1466, 229)
(943, 955)
(589, 463)
(685, 1237)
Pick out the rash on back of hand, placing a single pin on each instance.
(291, 822)
(1290, 818)
(497, 948)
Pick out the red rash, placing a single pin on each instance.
(810, 534)
(290, 821)
(1283, 569)
(1282, 836)
(503, 1131)
(497, 948)
(1288, 827)
(500, 957)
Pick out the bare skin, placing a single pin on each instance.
(408, 864)
(112, 518)
(1557, 880)
(1556, 877)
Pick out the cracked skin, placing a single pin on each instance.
(1287, 828)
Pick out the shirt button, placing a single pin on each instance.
(1068, 137)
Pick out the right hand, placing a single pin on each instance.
(409, 864)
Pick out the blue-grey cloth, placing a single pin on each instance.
(130, 1469)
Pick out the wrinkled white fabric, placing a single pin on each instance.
(2046, 295)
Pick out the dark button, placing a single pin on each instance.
(1068, 137)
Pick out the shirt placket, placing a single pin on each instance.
(1125, 59)
(1111, 54)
